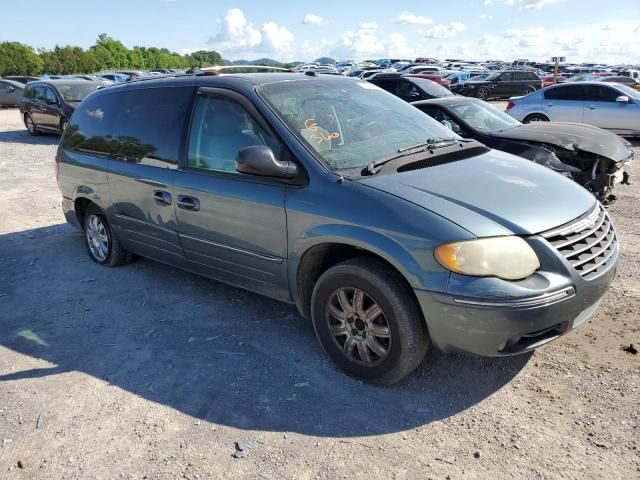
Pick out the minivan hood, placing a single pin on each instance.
(571, 136)
(491, 194)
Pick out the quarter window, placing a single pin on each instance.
(220, 129)
(90, 128)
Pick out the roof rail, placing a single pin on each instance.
(222, 68)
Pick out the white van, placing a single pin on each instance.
(635, 74)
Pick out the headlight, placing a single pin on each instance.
(510, 258)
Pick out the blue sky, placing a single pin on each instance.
(583, 30)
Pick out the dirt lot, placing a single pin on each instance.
(149, 372)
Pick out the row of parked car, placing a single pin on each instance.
(12, 86)
(392, 226)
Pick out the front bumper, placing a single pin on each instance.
(500, 327)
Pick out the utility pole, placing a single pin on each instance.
(557, 61)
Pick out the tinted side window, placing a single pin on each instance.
(388, 85)
(519, 76)
(50, 95)
(39, 92)
(565, 92)
(506, 77)
(597, 93)
(29, 92)
(149, 125)
(90, 128)
(221, 128)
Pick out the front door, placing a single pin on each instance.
(147, 138)
(51, 114)
(231, 226)
(602, 110)
(505, 86)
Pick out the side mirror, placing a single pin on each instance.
(259, 160)
(622, 99)
(11, 89)
(51, 101)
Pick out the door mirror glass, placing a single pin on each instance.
(622, 99)
(260, 160)
(51, 101)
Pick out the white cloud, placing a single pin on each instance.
(408, 18)
(313, 19)
(368, 25)
(445, 31)
(487, 40)
(238, 36)
(523, 4)
(485, 17)
(277, 38)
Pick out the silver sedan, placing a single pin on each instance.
(612, 106)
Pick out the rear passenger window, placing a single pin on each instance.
(90, 128)
(220, 129)
(565, 92)
(149, 125)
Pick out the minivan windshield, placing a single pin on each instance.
(349, 124)
(76, 92)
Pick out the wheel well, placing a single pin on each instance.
(80, 206)
(535, 115)
(319, 259)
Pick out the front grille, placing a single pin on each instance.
(587, 243)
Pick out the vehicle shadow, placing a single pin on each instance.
(214, 352)
(23, 136)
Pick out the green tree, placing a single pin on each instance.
(18, 59)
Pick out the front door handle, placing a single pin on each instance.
(592, 107)
(161, 196)
(188, 203)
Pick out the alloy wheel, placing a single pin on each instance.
(97, 238)
(29, 122)
(482, 93)
(358, 326)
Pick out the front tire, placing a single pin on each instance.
(31, 127)
(368, 322)
(103, 246)
(483, 93)
(536, 117)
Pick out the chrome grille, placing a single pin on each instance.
(587, 243)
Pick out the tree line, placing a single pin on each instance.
(106, 54)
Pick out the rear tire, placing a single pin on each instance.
(536, 117)
(528, 91)
(103, 246)
(378, 334)
(31, 126)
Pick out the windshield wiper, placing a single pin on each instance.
(429, 144)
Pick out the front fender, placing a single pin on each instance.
(411, 256)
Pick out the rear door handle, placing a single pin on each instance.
(161, 196)
(188, 203)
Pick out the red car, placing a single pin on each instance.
(547, 80)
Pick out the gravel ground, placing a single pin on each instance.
(149, 372)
